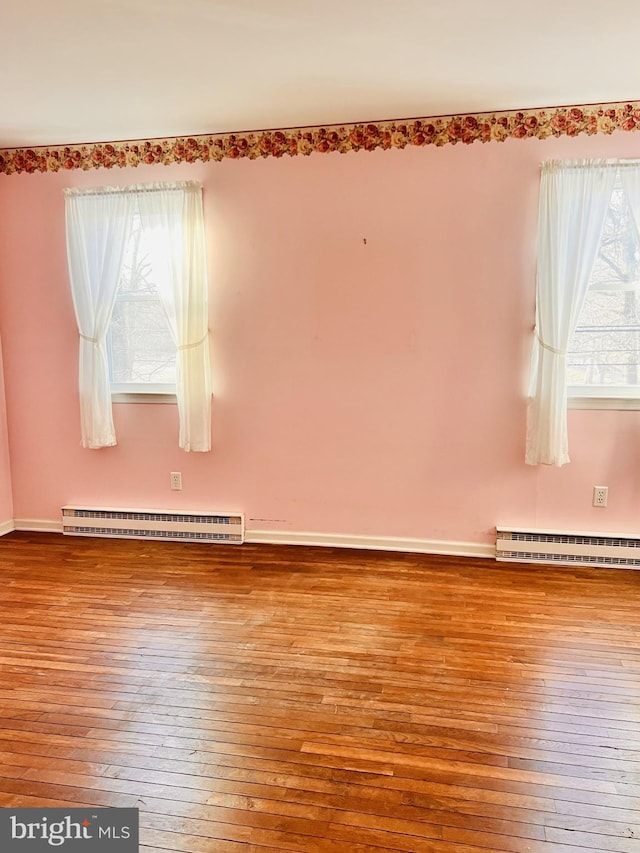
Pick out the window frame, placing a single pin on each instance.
(603, 397)
(138, 392)
(618, 397)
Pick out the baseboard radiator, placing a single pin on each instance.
(166, 525)
(556, 547)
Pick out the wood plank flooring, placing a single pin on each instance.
(263, 698)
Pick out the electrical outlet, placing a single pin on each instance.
(175, 479)
(600, 495)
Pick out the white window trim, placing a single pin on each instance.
(143, 392)
(143, 397)
(602, 397)
(619, 397)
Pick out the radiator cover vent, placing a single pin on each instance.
(559, 547)
(165, 525)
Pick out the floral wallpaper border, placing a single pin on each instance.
(442, 130)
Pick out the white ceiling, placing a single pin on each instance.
(76, 71)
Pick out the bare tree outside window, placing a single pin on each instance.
(141, 349)
(604, 351)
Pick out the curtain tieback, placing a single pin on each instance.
(548, 347)
(195, 343)
(87, 338)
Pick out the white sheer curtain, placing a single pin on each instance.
(630, 173)
(99, 224)
(574, 197)
(98, 227)
(172, 222)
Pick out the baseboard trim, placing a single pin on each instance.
(322, 540)
(37, 525)
(6, 527)
(372, 543)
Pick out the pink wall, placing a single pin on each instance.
(6, 498)
(370, 389)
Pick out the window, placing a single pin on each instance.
(137, 269)
(603, 358)
(140, 347)
(586, 326)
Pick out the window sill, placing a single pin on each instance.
(620, 403)
(143, 398)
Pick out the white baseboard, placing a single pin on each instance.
(325, 540)
(6, 527)
(37, 525)
(372, 543)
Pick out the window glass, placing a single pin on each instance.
(604, 352)
(142, 354)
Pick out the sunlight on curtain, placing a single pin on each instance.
(173, 221)
(99, 223)
(97, 231)
(574, 197)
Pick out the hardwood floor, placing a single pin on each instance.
(263, 698)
